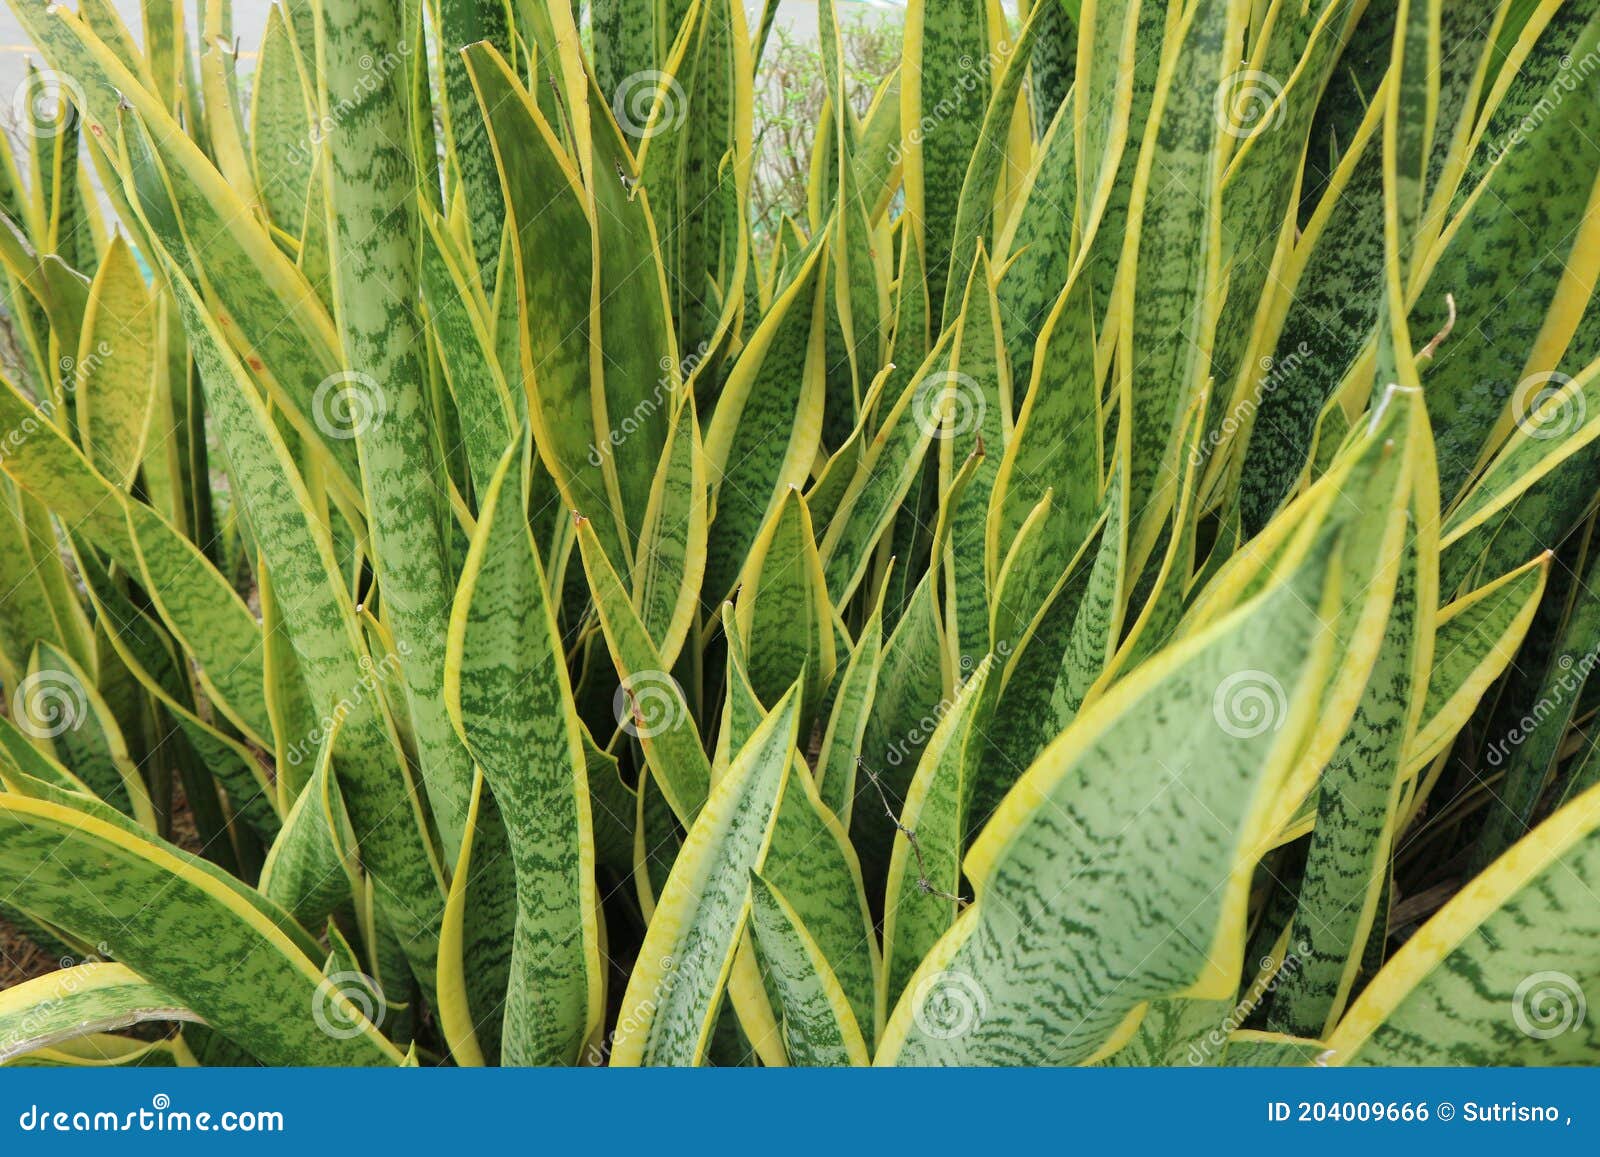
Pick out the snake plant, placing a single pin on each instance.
(1111, 584)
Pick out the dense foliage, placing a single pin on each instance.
(1109, 582)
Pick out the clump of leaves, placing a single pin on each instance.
(1110, 584)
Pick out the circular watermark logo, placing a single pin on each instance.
(949, 1004)
(1247, 103)
(345, 1003)
(49, 703)
(1548, 405)
(649, 102)
(948, 405)
(1249, 703)
(1547, 1004)
(648, 703)
(41, 104)
(348, 404)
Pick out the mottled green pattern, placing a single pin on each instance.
(93, 881)
(304, 871)
(818, 1026)
(1477, 638)
(924, 886)
(509, 691)
(62, 1006)
(280, 126)
(1040, 241)
(1170, 264)
(847, 723)
(785, 618)
(811, 861)
(988, 166)
(1513, 260)
(649, 700)
(883, 478)
(767, 425)
(672, 538)
(675, 991)
(1087, 870)
(642, 366)
(90, 742)
(460, 23)
(489, 417)
(946, 89)
(1056, 446)
(976, 425)
(198, 603)
(338, 669)
(1331, 314)
(1260, 184)
(1531, 766)
(116, 366)
(911, 686)
(1357, 799)
(373, 215)
(1473, 987)
(553, 279)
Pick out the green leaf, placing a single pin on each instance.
(924, 888)
(96, 881)
(676, 987)
(58, 704)
(784, 617)
(340, 673)
(1478, 637)
(64, 1006)
(944, 92)
(553, 276)
(672, 537)
(194, 599)
(509, 695)
(1358, 797)
(116, 366)
(649, 703)
(819, 1028)
(1472, 987)
(768, 424)
(489, 415)
(1104, 945)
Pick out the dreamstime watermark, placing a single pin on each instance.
(375, 73)
(666, 386)
(47, 411)
(160, 1117)
(971, 74)
(49, 703)
(1548, 405)
(948, 405)
(348, 404)
(67, 983)
(370, 685)
(1216, 1040)
(649, 102)
(1274, 373)
(1571, 676)
(915, 737)
(643, 1012)
(1547, 1004)
(1249, 703)
(347, 1004)
(41, 105)
(949, 1004)
(647, 703)
(1247, 103)
(1570, 76)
